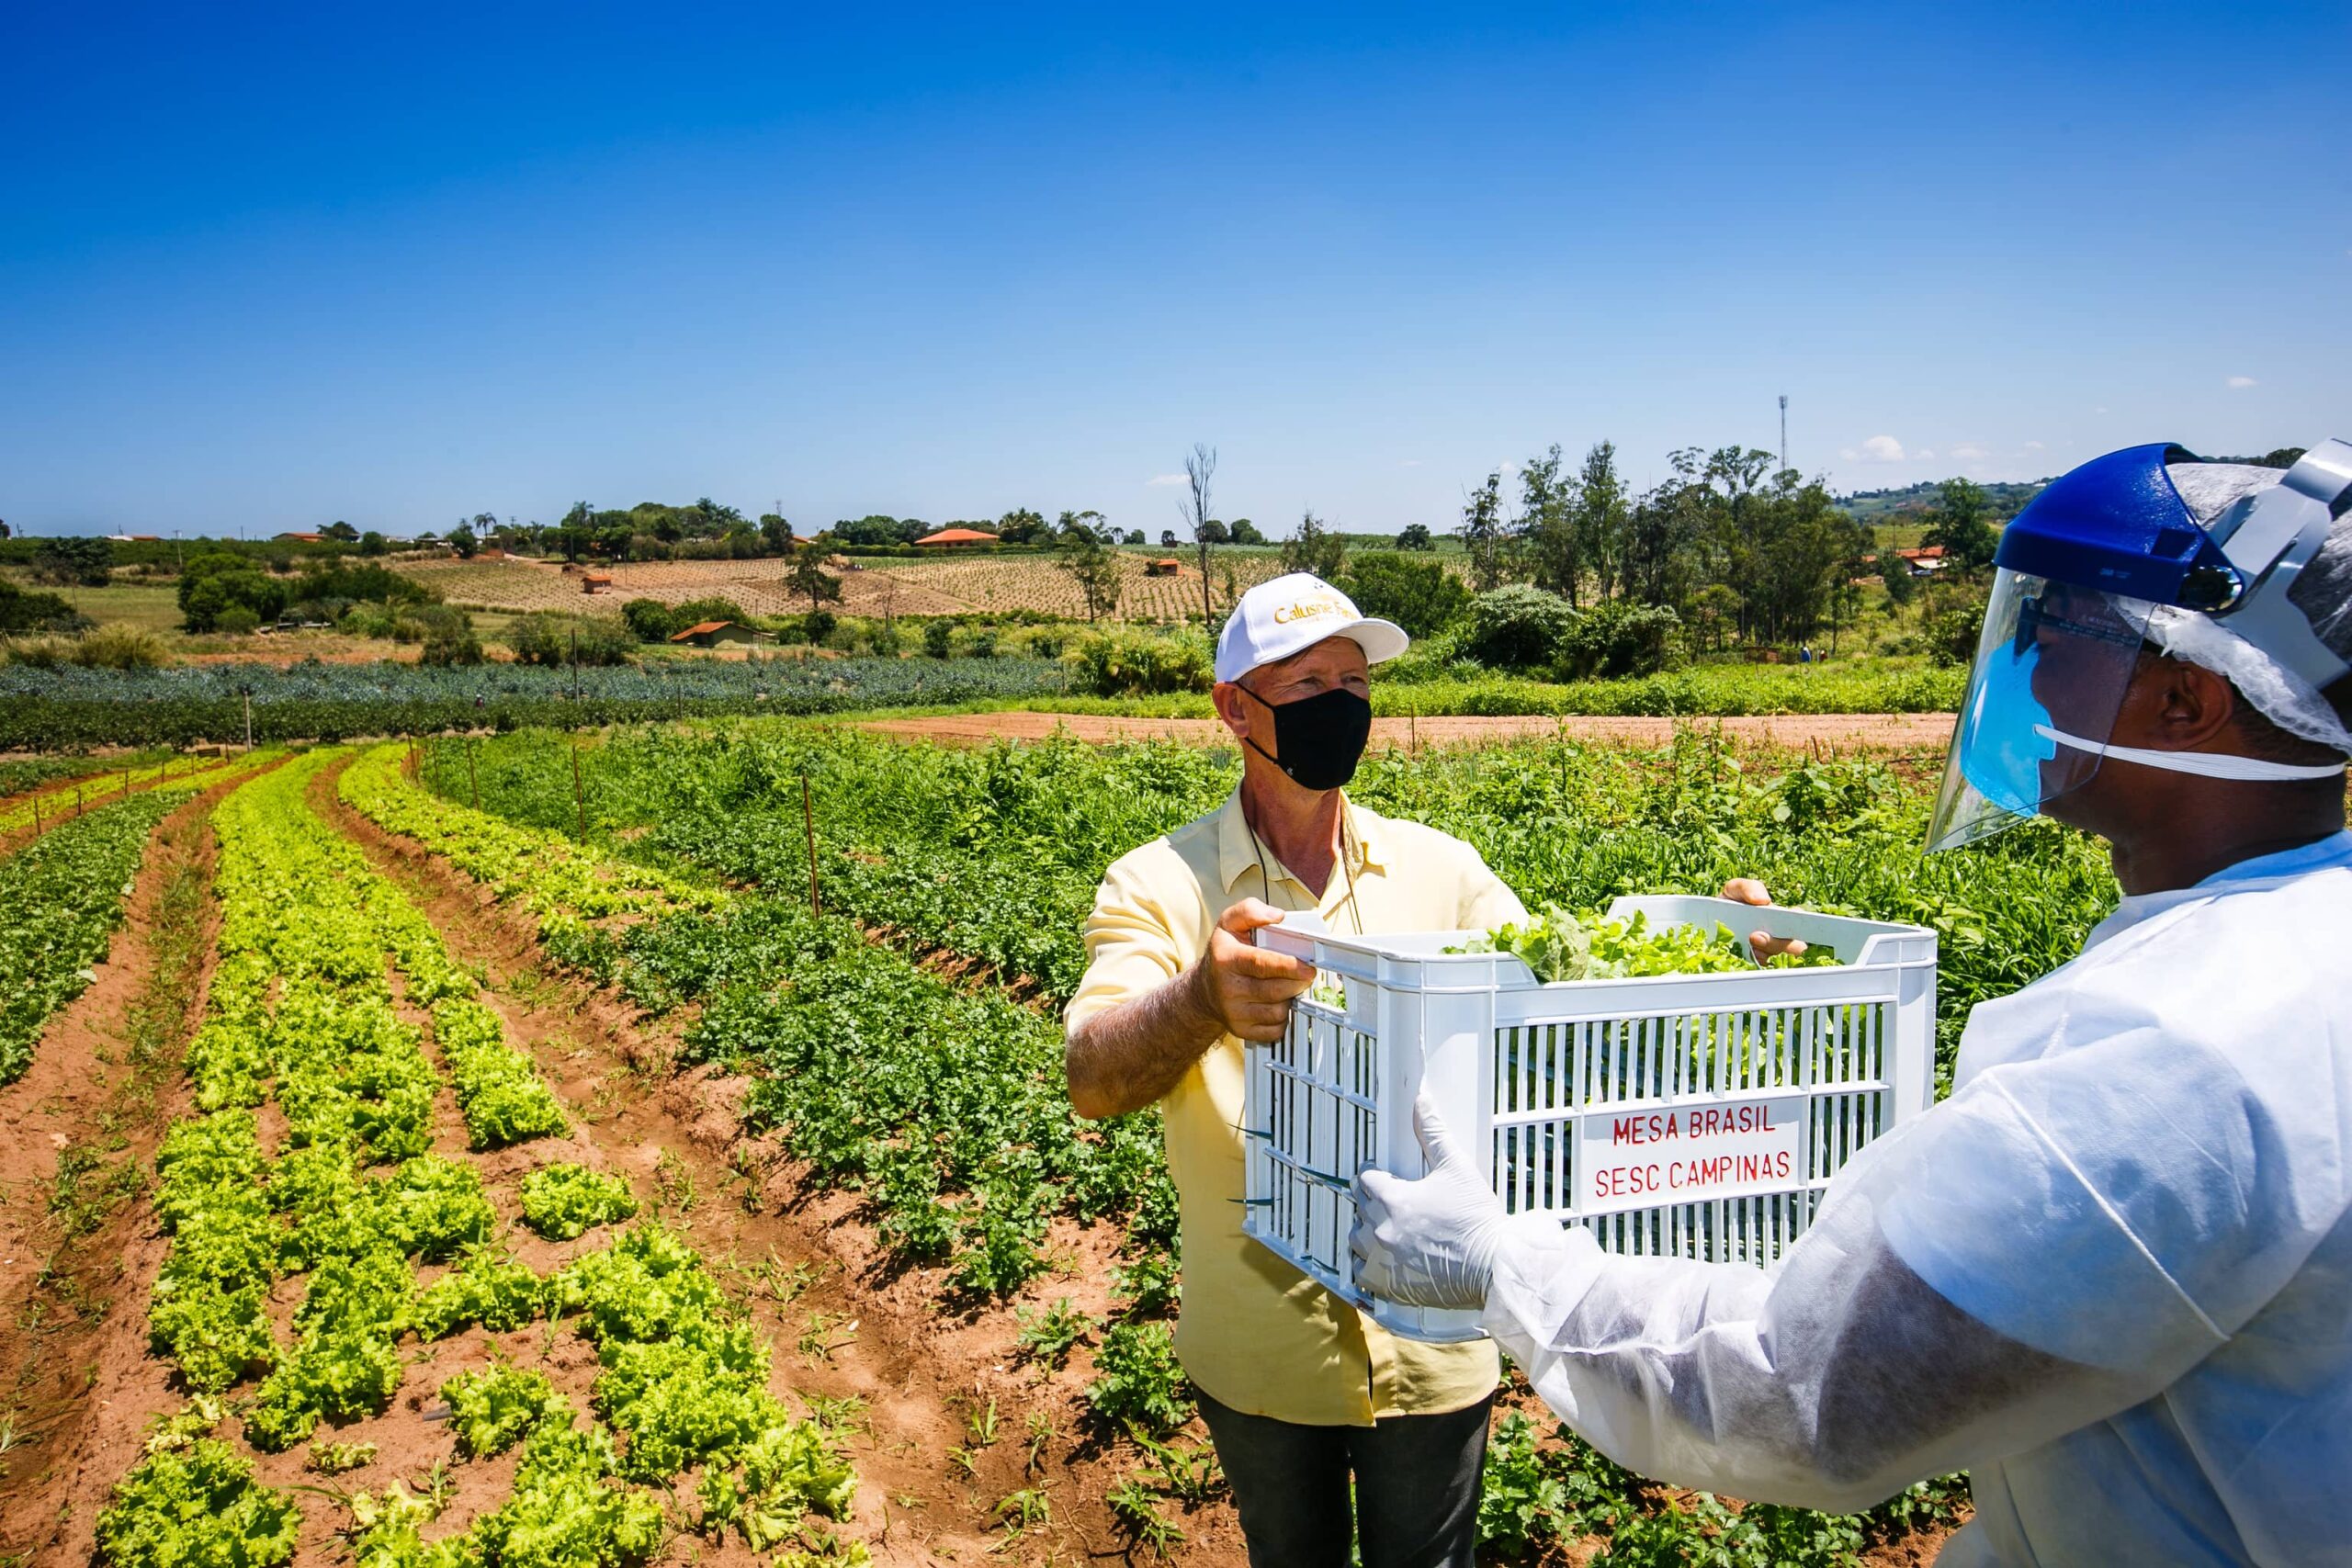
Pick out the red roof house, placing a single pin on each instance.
(954, 537)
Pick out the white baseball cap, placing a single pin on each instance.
(1289, 615)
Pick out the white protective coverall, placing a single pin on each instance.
(2111, 1275)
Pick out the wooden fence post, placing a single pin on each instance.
(473, 777)
(578, 790)
(809, 823)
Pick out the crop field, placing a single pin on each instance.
(547, 1182)
(72, 709)
(514, 583)
(870, 585)
(1034, 582)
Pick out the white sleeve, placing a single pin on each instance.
(1925, 1322)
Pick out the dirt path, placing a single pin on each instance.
(1847, 734)
(934, 1377)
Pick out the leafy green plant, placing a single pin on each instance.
(196, 1505)
(564, 1201)
(1049, 1335)
(492, 1409)
(1139, 1382)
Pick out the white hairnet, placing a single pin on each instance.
(2277, 693)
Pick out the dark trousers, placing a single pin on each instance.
(1417, 1480)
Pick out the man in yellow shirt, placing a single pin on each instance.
(1301, 1392)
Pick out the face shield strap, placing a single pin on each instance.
(2204, 764)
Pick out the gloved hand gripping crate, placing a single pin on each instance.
(1684, 1115)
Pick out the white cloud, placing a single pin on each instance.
(1164, 480)
(2036, 446)
(1409, 462)
(2240, 383)
(1969, 452)
(2098, 411)
(1877, 449)
(1922, 454)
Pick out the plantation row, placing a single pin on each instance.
(61, 899)
(996, 852)
(994, 855)
(945, 1107)
(72, 709)
(97, 783)
(394, 1241)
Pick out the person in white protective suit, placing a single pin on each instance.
(2111, 1275)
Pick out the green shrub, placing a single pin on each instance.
(555, 640)
(1128, 661)
(237, 620)
(448, 637)
(21, 612)
(1616, 637)
(1518, 627)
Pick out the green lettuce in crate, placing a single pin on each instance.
(1560, 944)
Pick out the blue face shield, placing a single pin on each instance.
(2052, 666)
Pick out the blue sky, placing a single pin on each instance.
(265, 268)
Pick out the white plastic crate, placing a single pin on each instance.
(1684, 1115)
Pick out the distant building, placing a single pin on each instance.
(719, 634)
(1165, 566)
(594, 582)
(1922, 562)
(303, 539)
(952, 538)
(135, 538)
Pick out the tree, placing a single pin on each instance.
(339, 529)
(1199, 469)
(809, 577)
(775, 533)
(463, 540)
(1958, 523)
(1419, 595)
(1315, 549)
(372, 544)
(1135, 536)
(1217, 534)
(1600, 517)
(1022, 525)
(1092, 568)
(1241, 531)
(1416, 537)
(1483, 535)
(1896, 573)
(1167, 538)
(1547, 524)
(1089, 525)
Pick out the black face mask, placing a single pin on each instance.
(1320, 738)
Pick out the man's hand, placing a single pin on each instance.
(1429, 1243)
(1248, 989)
(1748, 890)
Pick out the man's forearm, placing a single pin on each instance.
(1128, 1056)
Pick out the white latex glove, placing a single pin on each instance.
(1429, 1243)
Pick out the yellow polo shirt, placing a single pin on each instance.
(1254, 1332)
